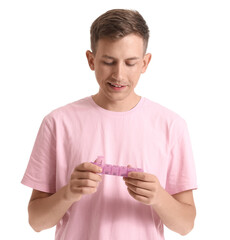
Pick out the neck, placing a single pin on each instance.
(116, 105)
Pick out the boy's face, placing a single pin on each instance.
(119, 62)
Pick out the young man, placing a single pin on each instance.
(127, 129)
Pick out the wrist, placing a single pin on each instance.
(160, 199)
(68, 196)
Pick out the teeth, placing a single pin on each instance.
(115, 85)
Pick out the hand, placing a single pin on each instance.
(144, 187)
(84, 180)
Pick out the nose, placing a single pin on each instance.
(118, 72)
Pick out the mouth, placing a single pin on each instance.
(116, 86)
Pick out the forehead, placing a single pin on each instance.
(126, 47)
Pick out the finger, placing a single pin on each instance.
(86, 175)
(83, 183)
(84, 190)
(140, 198)
(146, 177)
(140, 184)
(87, 166)
(140, 191)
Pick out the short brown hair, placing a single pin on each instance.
(116, 24)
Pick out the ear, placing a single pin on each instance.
(90, 58)
(146, 61)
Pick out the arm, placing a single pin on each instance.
(46, 209)
(177, 212)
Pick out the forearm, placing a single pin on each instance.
(45, 212)
(176, 215)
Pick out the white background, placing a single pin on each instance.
(43, 66)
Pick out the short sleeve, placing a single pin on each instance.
(181, 173)
(41, 170)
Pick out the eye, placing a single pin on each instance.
(108, 63)
(130, 64)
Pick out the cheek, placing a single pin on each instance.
(99, 73)
(134, 75)
(102, 71)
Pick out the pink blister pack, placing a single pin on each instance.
(113, 169)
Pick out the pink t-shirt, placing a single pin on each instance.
(148, 136)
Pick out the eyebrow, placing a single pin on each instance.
(109, 57)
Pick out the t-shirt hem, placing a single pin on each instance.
(181, 189)
(37, 186)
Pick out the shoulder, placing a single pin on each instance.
(165, 120)
(69, 111)
(161, 113)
